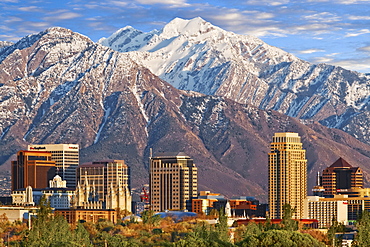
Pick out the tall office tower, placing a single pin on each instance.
(341, 176)
(106, 182)
(173, 182)
(66, 158)
(32, 168)
(287, 175)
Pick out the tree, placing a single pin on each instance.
(287, 222)
(222, 227)
(333, 238)
(363, 228)
(281, 238)
(48, 229)
(81, 236)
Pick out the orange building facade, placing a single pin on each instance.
(73, 216)
(341, 176)
(32, 168)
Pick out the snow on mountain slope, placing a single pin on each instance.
(195, 55)
(60, 87)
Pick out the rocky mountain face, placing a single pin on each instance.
(60, 87)
(195, 55)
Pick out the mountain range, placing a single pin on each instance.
(179, 89)
(196, 55)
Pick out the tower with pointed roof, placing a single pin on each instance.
(341, 176)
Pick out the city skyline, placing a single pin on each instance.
(318, 31)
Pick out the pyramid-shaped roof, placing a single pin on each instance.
(340, 163)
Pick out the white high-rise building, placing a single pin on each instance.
(66, 157)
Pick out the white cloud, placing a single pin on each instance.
(11, 38)
(13, 19)
(29, 9)
(358, 18)
(116, 3)
(62, 16)
(174, 3)
(357, 33)
(360, 65)
(309, 51)
(364, 49)
(322, 17)
(267, 2)
(345, 2)
(322, 60)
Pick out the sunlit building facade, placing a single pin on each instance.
(66, 157)
(32, 168)
(287, 175)
(173, 182)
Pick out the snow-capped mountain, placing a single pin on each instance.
(60, 87)
(195, 55)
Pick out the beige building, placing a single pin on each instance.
(59, 196)
(287, 175)
(173, 182)
(66, 157)
(325, 213)
(103, 185)
(326, 209)
(16, 213)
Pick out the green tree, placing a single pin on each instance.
(363, 228)
(287, 222)
(81, 236)
(282, 238)
(222, 227)
(148, 217)
(47, 229)
(334, 238)
(203, 235)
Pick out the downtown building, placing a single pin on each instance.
(66, 157)
(103, 185)
(32, 168)
(341, 177)
(287, 176)
(173, 182)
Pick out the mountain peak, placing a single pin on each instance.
(190, 27)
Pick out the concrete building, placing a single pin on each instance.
(103, 185)
(341, 176)
(59, 196)
(287, 175)
(32, 168)
(173, 182)
(204, 202)
(16, 213)
(66, 157)
(326, 209)
(73, 216)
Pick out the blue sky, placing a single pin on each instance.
(320, 31)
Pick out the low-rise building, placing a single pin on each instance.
(59, 196)
(73, 216)
(204, 202)
(325, 210)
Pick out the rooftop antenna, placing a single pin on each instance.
(150, 152)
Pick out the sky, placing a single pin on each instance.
(334, 32)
